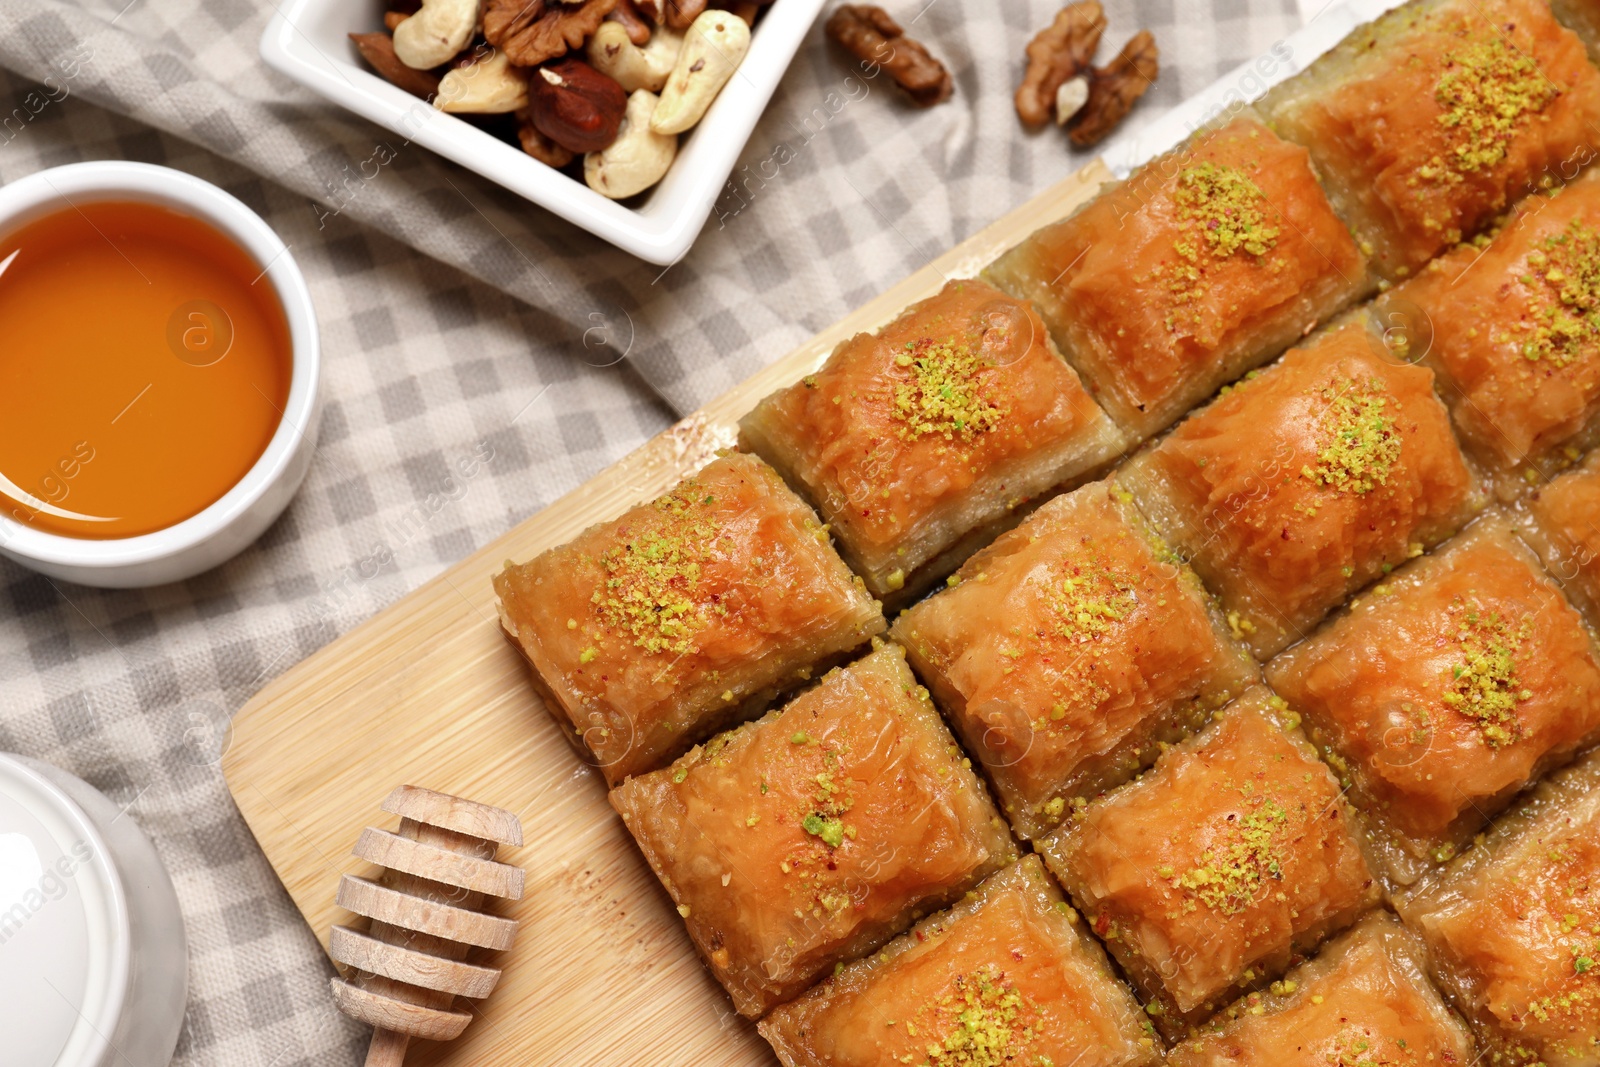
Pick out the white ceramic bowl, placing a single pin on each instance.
(93, 956)
(308, 40)
(223, 529)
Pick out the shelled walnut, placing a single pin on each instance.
(1062, 82)
(1115, 88)
(870, 35)
(532, 31)
(1058, 54)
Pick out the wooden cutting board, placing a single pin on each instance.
(431, 693)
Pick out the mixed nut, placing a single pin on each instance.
(616, 81)
(613, 81)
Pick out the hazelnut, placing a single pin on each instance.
(575, 105)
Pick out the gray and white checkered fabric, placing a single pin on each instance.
(452, 319)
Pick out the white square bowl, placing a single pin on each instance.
(308, 41)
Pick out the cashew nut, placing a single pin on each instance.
(712, 48)
(491, 86)
(437, 32)
(637, 159)
(634, 66)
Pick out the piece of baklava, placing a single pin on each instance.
(1209, 874)
(1430, 121)
(1365, 1001)
(1206, 262)
(1069, 651)
(1513, 331)
(1007, 976)
(815, 834)
(1513, 926)
(1562, 521)
(1306, 481)
(916, 441)
(1444, 690)
(685, 615)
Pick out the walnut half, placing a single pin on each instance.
(871, 36)
(532, 31)
(1058, 54)
(1061, 81)
(1115, 88)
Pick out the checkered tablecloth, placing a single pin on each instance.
(452, 316)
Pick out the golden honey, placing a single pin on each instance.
(144, 366)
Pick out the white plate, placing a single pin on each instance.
(308, 40)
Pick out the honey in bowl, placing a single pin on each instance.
(144, 366)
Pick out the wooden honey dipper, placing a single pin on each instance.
(425, 914)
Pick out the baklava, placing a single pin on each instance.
(1430, 121)
(1070, 650)
(1444, 690)
(1513, 331)
(1365, 1001)
(1206, 262)
(1562, 521)
(815, 834)
(1514, 927)
(1007, 976)
(1207, 876)
(685, 615)
(919, 441)
(1307, 480)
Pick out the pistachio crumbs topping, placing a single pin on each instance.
(814, 798)
(829, 803)
(652, 589)
(1571, 919)
(1564, 274)
(1357, 444)
(982, 1022)
(942, 393)
(1554, 892)
(1355, 1046)
(1486, 94)
(829, 830)
(1226, 208)
(1228, 878)
(1483, 683)
(1089, 599)
(1220, 212)
(1578, 1002)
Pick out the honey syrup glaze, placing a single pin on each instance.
(144, 366)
